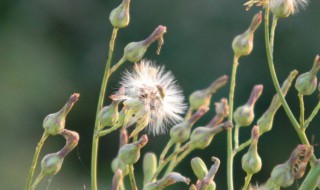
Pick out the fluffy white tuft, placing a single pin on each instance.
(156, 89)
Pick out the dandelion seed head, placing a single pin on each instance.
(158, 98)
(287, 7)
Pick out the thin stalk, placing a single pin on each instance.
(132, 178)
(301, 109)
(236, 136)
(170, 167)
(35, 159)
(272, 33)
(95, 139)
(313, 114)
(179, 159)
(165, 151)
(247, 181)
(107, 131)
(36, 181)
(275, 81)
(229, 131)
(242, 146)
(117, 65)
(189, 113)
(310, 182)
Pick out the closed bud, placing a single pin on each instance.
(51, 164)
(54, 123)
(207, 183)
(167, 180)
(306, 83)
(149, 166)
(202, 98)
(109, 115)
(130, 153)
(117, 180)
(120, 17)
(201, 137)
(134, 51)
(199, 168)
(265, 122)
(281, 175)
(242, 44)
(251, 161)
(282, 8)
(244, 115)
(181, 132)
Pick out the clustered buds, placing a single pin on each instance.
(134, 51)
(284, 174)
(306, 83)
(167, 180)
(202, 98)
(242, 44)
(265, 122)
(120, 17)
(130, 153)
(181, 132)
(244, 115)
(54, 123)
(251, 161)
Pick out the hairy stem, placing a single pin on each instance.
(95, 139)
(35, 160)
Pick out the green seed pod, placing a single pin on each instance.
(109, 115)
(281, 175)
(201, 137)
(199, 168)
(251, 161)
(282, 8)
(120, 17)
(134, 51)
(202, 98)
(265, 122)
(244, 115)
(51, 164)
(54, 123)
(149, 167)
(130, 153)
(167, 180)
(181, 132)
(242, 44)
(306, 83)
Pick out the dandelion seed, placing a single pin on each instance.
(152, 98)
(285, 8)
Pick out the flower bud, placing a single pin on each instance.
(251, 161)
(130, 153)
(109, 115)
(134, 51)
(199, 168)
(281, 175)
(265, 122)
(51, 164)
(149, 167)
(242, 44)
(202, 98)
(244, 115)
(201, 137)
(306, 83)
(282, 8)
(120, 17)
(54, 123)
(181, 132)
(167, 180)
(207, 183)
(117, 180)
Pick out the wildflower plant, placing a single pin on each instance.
(149, 102)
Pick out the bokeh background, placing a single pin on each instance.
(50, 49)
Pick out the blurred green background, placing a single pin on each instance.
(50, 49)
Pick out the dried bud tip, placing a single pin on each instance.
(256, 21)
(255, 94)
(143, 140)
(255, 132)
(217, 84)
(74, 98)
(156, 34)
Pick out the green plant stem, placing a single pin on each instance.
(117, 65)
(95, 139)
(107, 131)
(36, 181)
(272, 33)
(310, 182)
(242, 146)
(35, 159)
(165, 151)
(236, 136)
(229, 131)
(247, 181)
(189, 113)
(167, 160)
(132, 178)
(284, 103)
(301, 109)
(178, 160)
(313, 114)
(170, 167)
